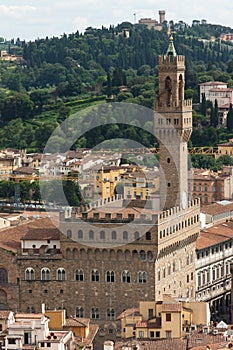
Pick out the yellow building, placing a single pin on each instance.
(136, 183)
(107, 178)
(163, 319)
(140, 184)
(225, 149)
(83, 331)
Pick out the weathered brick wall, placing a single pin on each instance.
(9, 291)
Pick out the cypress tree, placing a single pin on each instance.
(230, 119)
(203, 105)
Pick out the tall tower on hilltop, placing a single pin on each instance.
(173, 127)
(161, 16)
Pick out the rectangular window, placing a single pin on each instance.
(152, 334)
(27, 338)
(150, 313)
(141, 334)
(168, 334)
(168, 317)
(157, 334)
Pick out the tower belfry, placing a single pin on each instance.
(173, 127)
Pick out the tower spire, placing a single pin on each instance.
(171, 51)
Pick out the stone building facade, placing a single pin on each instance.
(110, 259)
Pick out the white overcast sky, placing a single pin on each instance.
(32, 19)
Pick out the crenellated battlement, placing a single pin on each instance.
(176, 211)
(176, 60)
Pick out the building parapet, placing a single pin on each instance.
(176, 60)
(166, 214)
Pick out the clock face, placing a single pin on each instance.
(184, 199)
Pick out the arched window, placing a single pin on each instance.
(45, 274)
(91, 234)
(114, 235)
(159, 275)
(169, 269)
(150, 256)
(61, 274)
(168, 89)
(110, 314)
(143, 255)
(3, 276)
(181, 86)
(136, 235)
(69, 233)
(148, 236)
(95, 277)
(125, 276)
(95, 315)
(110, 276)
(79, 275)
(79, 312)
(102, 234)
(29, 274)
(125, 235)
(80, 234)
(142, 277)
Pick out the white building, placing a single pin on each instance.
(26, 331)
(214, 249)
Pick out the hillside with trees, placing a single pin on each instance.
(62, 75)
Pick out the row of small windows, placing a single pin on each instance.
(177, 227)
(175, 120)
(214, 273)
(112, 254)
(214, 250)
(95, 313)
(102, 235)
(167, 270)
(110, 276)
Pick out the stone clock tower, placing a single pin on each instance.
(173, 127)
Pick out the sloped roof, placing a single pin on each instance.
(214, 235)
(42, 234)
(128, 312)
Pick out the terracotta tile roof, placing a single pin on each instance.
(4, 314)
(213, 83)
(74, 322)
(10, 237)
(171, 307)
(93, 329)
(128, 312)
(214, 235)
(216, 208)
(196, 342)
(42, 234)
